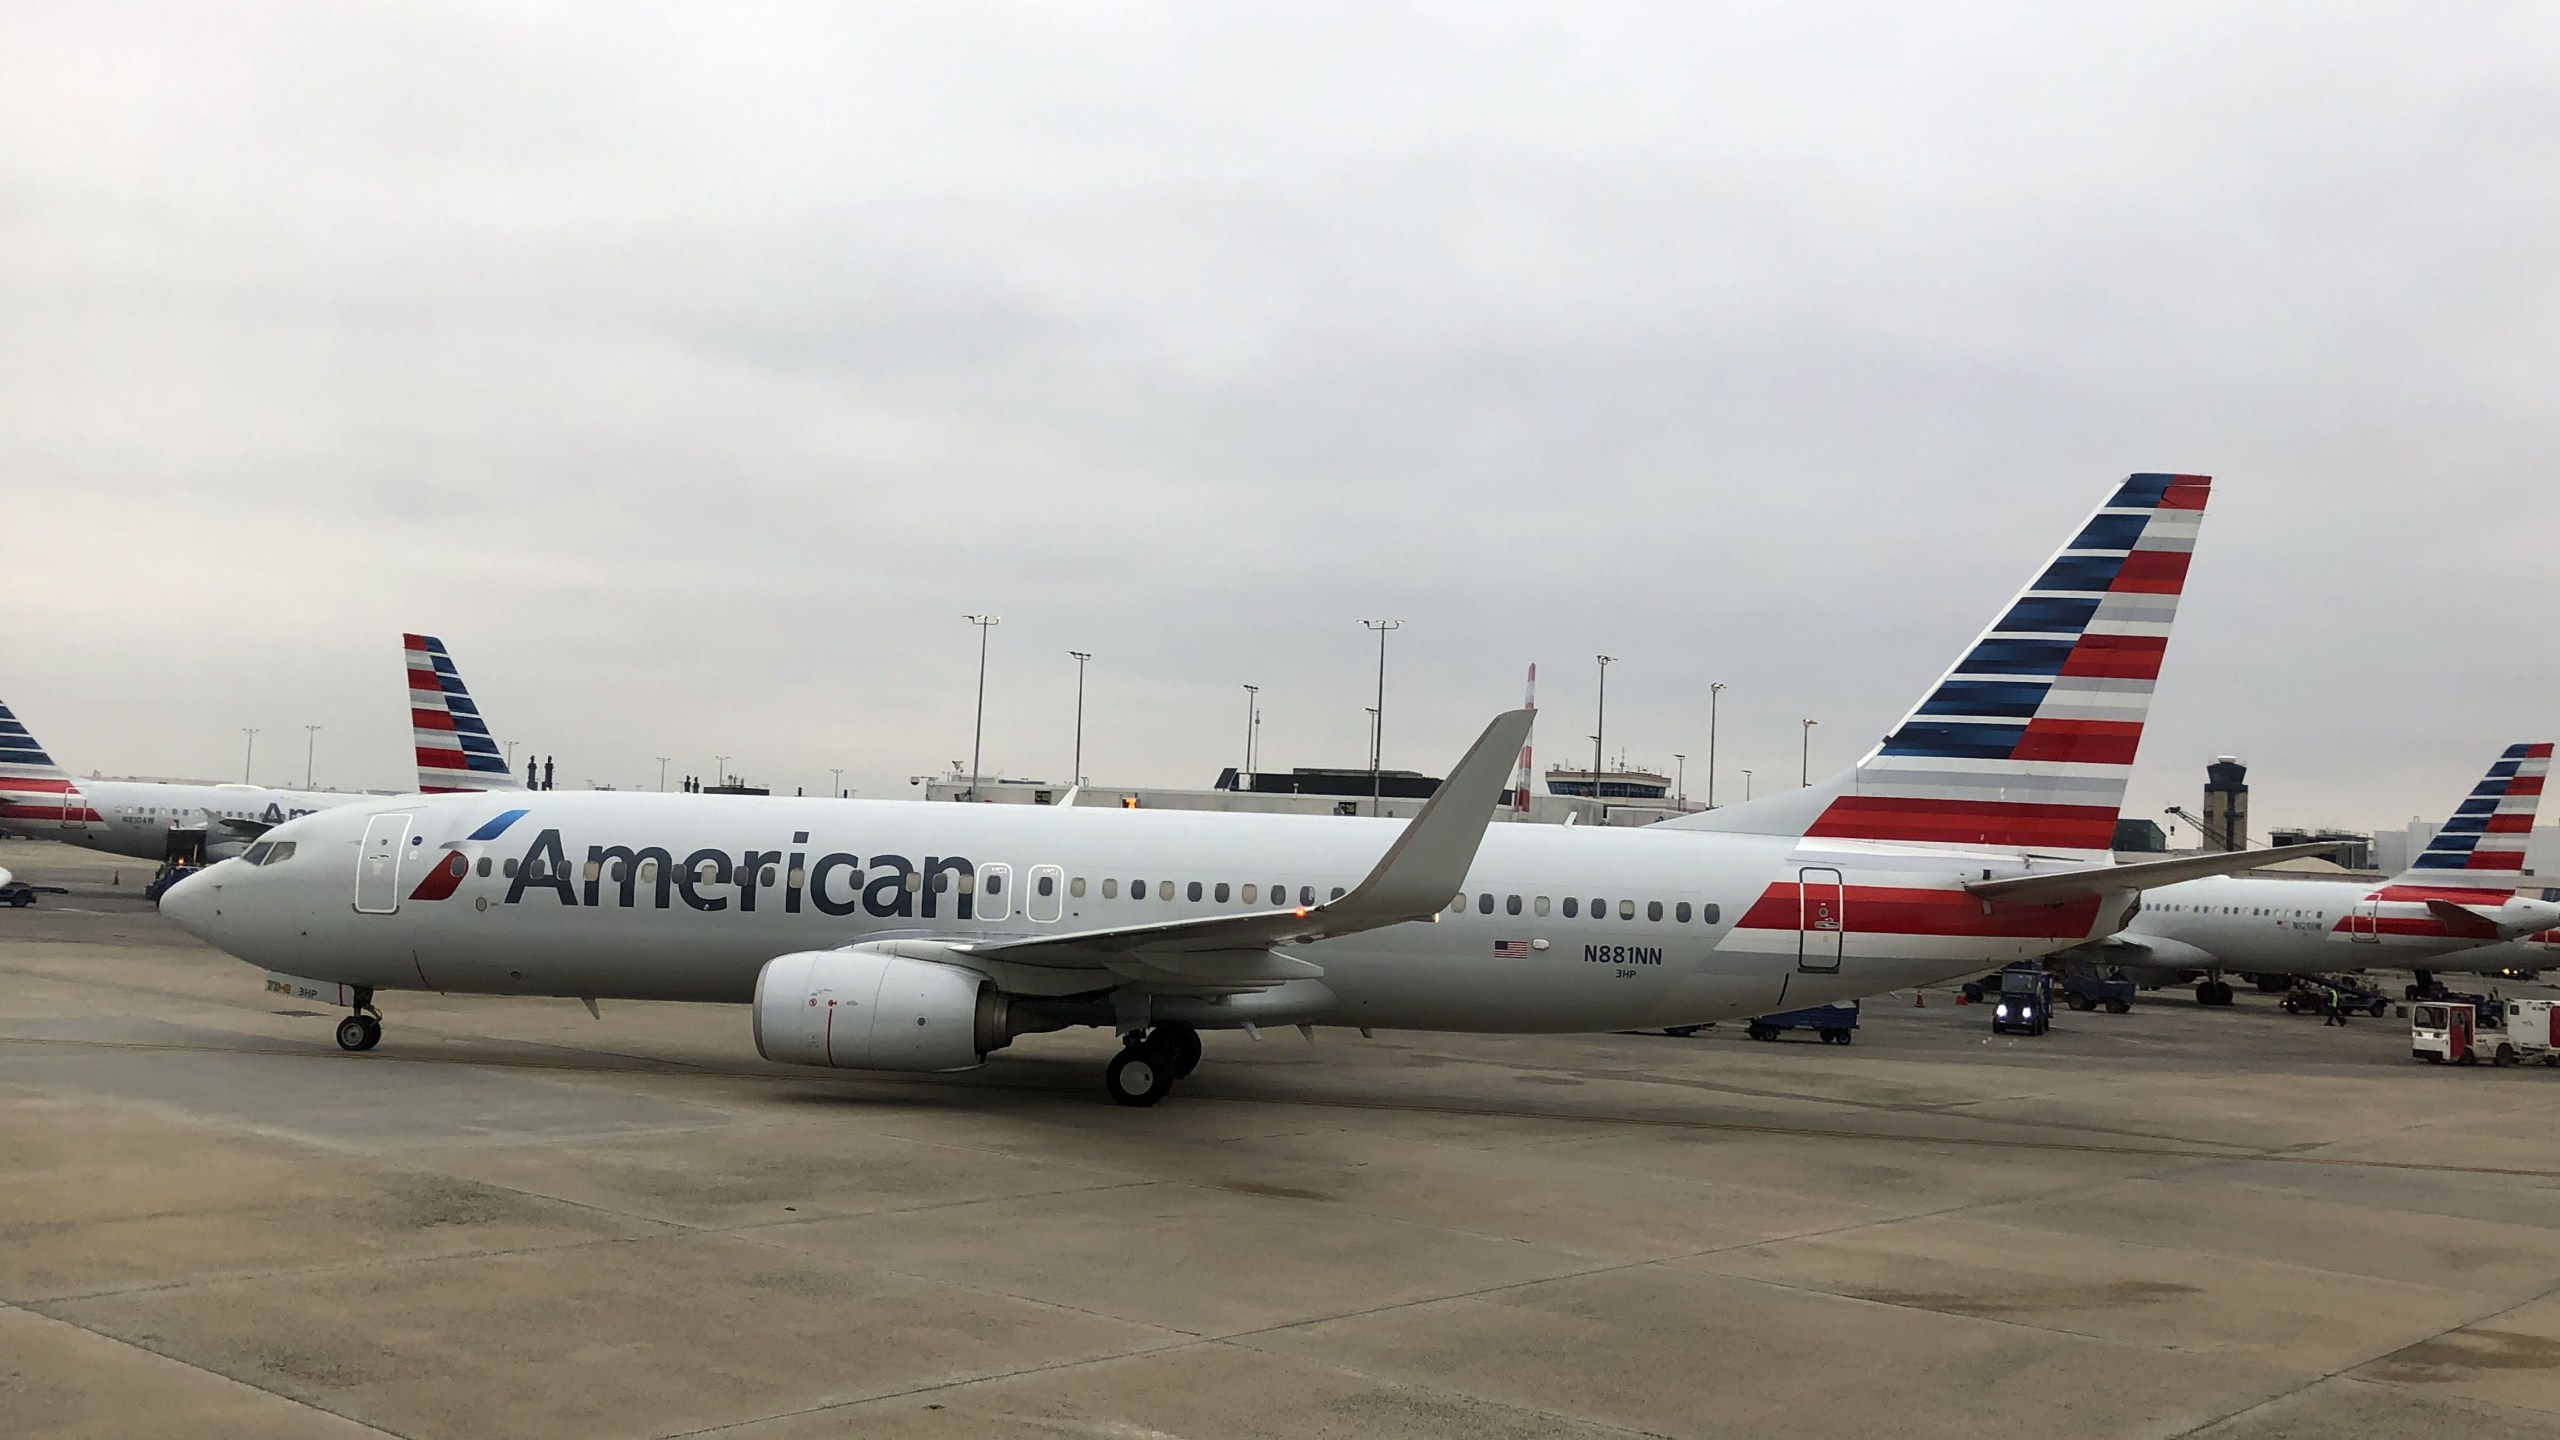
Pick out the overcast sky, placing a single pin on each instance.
(692, 369)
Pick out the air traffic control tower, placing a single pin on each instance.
(2226, 805)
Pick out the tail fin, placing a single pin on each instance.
(32, 787)
(2482, 846)
(455, 751)
(2027, 742)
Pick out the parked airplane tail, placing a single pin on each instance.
(455, 751)
(2026, 744)
(32, 787)
(2482, 846)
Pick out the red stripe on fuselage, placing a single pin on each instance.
(2117, 657)
(2153, 572)
(1891, 910)
(2459, 895)
(36, 785)
(2084, 742)
(1968, 822)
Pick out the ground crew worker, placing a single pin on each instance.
(2337, 1013)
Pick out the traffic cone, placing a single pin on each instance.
(116, 878)
(1919, 1000)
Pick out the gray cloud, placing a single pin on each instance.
(692, 371)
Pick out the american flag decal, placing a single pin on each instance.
(1510, 949)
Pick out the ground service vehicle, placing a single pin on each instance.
(2465, 1033)
(2024, 1005)
(2086, 987)
(1835, 1024)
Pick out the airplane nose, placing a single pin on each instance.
(193, 902)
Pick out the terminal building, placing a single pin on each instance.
(1627, 796)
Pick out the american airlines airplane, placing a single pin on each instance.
(160, 820)
(2450, 910)
(894, 935)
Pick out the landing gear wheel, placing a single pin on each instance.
(2213, 992)
(359, 1032)
(1139, 1075)
(1180, 1045)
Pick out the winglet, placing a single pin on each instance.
(1429, 861)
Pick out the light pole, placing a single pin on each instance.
(719, 769)
(252, 732)
(662, 773)
(1713, 691)
(310, 747)
(1600, 727)
(1378, 729)
(1077, 778)
(1244, 777)
(978, 737)
(1806, 777)
(835, 782)
(511, 757)
(1746, 785)
(1680, 784)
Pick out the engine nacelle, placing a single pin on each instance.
(861, 1009)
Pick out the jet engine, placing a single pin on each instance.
(862, 1009)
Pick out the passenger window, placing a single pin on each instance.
(1458, 903)
(1572, 907)
(1484, 903)
(510, 868)
(1680, 912)
(1164, 889)
(1279, 894)
(1539, 905)
(1045, 884)
(617, 872)
(1249, 893)
(1110, 888)
(799, 876)
(484, 867)
(648, 870)
(1306, 895)
(1075, 888)
(995, 884)
(1511, 905)
(1626, 909)
(1193, 891)
(766, 879)
(1653, 910)
(1337, 892)
(593, 870)
(1137, 889)
(1221, 894)
(1708, 913)
(1599, 908)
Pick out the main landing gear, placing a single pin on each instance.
(1150, 1061)
(2213, 992)
(362, 1029)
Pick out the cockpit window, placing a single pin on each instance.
(257, 854)
(278, 852)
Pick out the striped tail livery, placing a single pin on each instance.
(2026, 743)
(455, 751)
(32, 787)
(2483, 844)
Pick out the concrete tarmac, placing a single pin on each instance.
(512, 1219)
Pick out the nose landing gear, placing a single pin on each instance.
(1150, 1061)
(362, 1029)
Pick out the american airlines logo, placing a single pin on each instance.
(837, 882)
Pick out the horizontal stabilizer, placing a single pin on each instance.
(2141, 875)
(2469, 924)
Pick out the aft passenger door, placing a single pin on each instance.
(378, 865)
(1822, 919)
(2364, 920)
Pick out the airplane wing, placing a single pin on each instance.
(247, 827)
(2141, 875)
(1425, 866)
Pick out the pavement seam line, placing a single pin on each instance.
(185, 1364)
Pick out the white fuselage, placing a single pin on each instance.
(2265, 925)
(141, 818)
(1772, 922)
